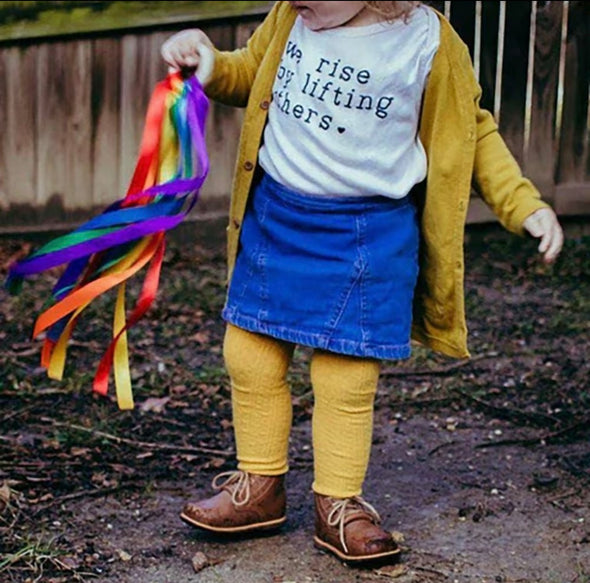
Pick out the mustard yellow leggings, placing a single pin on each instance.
(342, 423)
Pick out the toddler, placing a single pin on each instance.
(361, 140)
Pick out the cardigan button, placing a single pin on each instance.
(235, 223)
(265, 104)
(248, 165)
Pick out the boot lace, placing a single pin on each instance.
(342, 508)
(237, 483)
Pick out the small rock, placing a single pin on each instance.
(544, 480)
(199, 561)
(124, 555)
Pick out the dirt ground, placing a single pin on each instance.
(480, 467)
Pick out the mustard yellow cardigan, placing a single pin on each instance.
(462, 144)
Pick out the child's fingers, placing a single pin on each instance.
(180, 51)
(180, 57)
(551, 238)
(554, 243)
(543, 224)
(205, 65)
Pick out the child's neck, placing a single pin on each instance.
(364, 18)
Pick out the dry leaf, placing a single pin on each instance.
(124, 555)
(154, 404)
(4, 496)
(392, 571)
(216, 462)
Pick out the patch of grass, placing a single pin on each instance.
(34, 557)
(575, 319)
(211, 375)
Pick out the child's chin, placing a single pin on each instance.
(312, 25)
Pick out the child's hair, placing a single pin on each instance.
(391, 10)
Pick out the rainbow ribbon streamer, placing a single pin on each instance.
(109, 249)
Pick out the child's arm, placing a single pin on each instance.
(232, 73)
(512, 197)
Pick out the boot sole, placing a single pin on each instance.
(323, 545)
(267, 525)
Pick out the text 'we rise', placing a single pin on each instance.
(328, 86)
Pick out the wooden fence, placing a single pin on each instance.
(72, 108)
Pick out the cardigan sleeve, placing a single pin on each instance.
(234, 71)
(497, 176)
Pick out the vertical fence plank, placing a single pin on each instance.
(574, 160)
(17, 138)
(160, 68)
(5, 84)
(514, 77)
(51, 118)
(106, 107)
(137, 83)
(574, 156)
(440, 6)
(63, 128)
(463, 21)
(78, 159)
(540, 152)
(489, 49)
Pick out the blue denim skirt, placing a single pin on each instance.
(336, 273)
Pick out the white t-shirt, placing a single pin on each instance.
(346, 105)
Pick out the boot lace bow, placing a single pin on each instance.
(237, 483)
(343, 508)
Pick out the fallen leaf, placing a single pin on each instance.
(216, 462)
(392, 571)
(4, 496)
(70, 562)
(200, 338)
(154, 404)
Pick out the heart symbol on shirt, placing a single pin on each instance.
(341, 130)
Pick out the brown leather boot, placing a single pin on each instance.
(349, 528)
(245, 502)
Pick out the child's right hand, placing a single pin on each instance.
(544, 225)
(189, 51)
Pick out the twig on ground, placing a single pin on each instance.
(583, 425)
(433, 571)
(509, 411)
(17, 413)
(441, 446)
(29, 352)
(439, 370)
(85, 494)
(563, 496)
(420, 402)
(142, 444)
